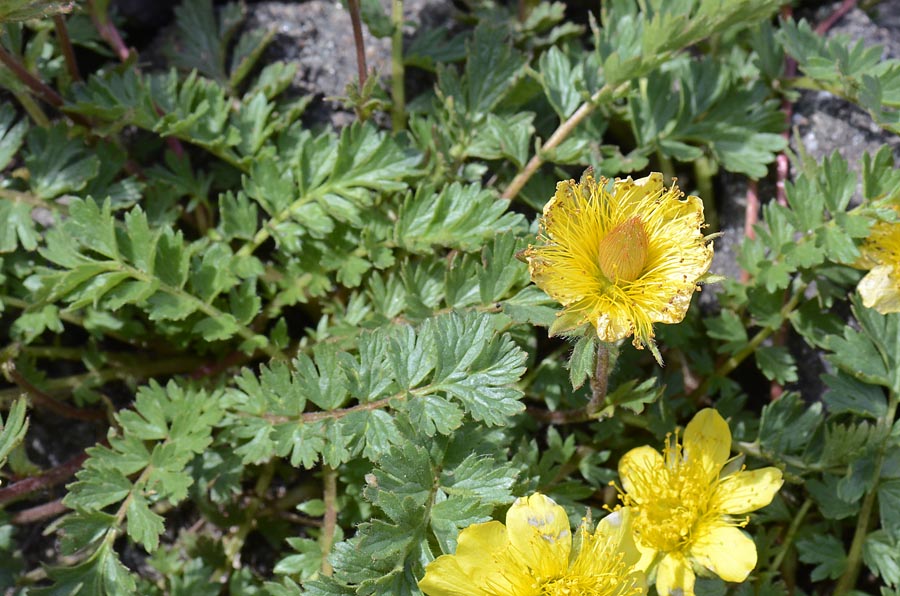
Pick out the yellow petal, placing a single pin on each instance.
(880, 289)
(617, 529)
(726, 551)
(707, 438)
(635, 471)
(743, 492)
(538, 529)
(473, 565)
(674, 577)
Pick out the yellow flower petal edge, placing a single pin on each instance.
(620, 255)
(688, 505)
(534, 554)
(880, 253)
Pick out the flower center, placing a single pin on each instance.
(622, 254)
(675, 496)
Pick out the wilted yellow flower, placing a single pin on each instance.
(532, 555)
(880, 288)
(687, 510)
(620, 255)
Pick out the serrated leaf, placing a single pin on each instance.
(880, 555)
(11, 135)
(13, 429)
(776, 363)
(102, 574)
(58, 164)
(825, 552)
(144, 526)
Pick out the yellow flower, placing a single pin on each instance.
(880, 288)
(687, 510)
(532, 555)
(620, 255)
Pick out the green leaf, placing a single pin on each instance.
(202, 40)
(144, 526)
(492, 65)
(776, 363)
(24, 10)
(11, 135)
(825, 552)
(880, 556)
(787, 425)
(889, 506)
(729, 328)
(847, 394)
(102, 574)
(560, 82)
(12, 431)
(581, 362)
(16, 226)
(57, 164)
(475, 367)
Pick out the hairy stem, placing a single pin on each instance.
(600, 380)
(65, 44)
(736, 359)
(45, 480)
(329, 496)
(604, 95)
(398, 88)
(790, 535)
(847, 581)
(356, 22)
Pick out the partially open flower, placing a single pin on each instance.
(534, 555)
(688, 511)
(620, 255)
(880, 288)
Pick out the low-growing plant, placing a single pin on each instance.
(250, 354)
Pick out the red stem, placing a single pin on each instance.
(49, 478)
(845, 7)
(39, 513)
(356, 22)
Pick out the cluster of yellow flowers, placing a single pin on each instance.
(682, 511)
(619, 256)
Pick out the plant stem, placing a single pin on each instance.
(37, 86)
(65, 44)
(138, 370)
(790, 535)
(398, 89)
(33, 109)
(329, 496)
(48, 402)
(45, 480)
(600, 380)
(847, 581)
(736, 359)
(603, 95)
(356, 22)
(703, 176)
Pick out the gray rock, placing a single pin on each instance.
(827, 123)
(318, 37)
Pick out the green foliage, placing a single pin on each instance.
(267, 356)
(12, 431)
(21, 10)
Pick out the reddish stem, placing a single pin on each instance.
(37, 86)
(49, 478)
(39, 513)
(845, 7)
(48, 402)
(65, 44)
(356, 22)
